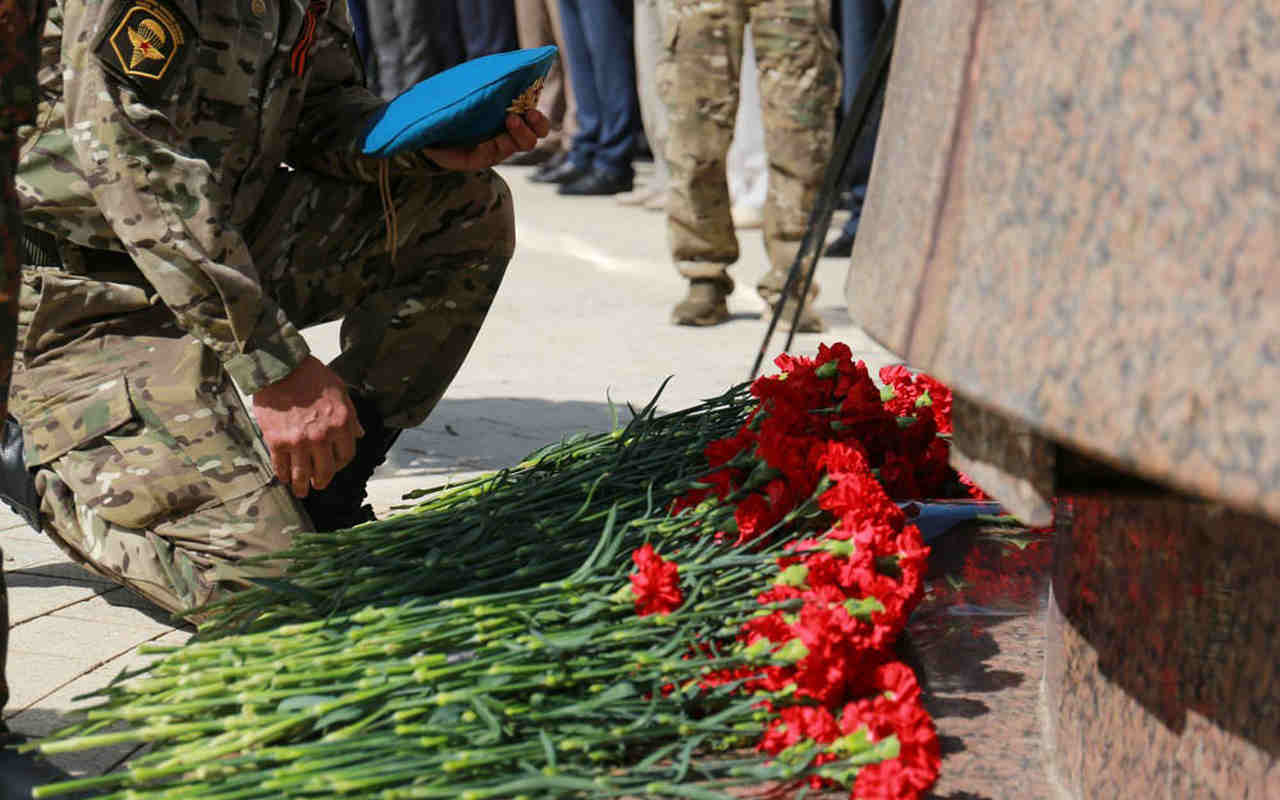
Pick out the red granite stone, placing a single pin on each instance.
(1074, 216)
(1160, 676)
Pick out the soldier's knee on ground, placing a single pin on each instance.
(183, 563)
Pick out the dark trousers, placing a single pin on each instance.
(487, 26)
(598, 36)
(407, 40)
(858, 22)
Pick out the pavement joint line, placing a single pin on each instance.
(122, 760)
(99, 592)
(92, 668)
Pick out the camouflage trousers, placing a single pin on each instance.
(796, 60)
(149, 467)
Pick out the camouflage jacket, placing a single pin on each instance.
(160, 126)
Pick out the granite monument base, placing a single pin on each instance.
(1163, 638)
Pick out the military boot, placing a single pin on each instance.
(341, 504)
(809, 321)
(770, 290)
(17, 485)
(705, 304)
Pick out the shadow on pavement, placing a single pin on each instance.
(494, 432)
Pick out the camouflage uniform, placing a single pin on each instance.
(190, 258)
(799, 88)
(19, 26)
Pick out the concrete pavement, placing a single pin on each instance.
(582, 320)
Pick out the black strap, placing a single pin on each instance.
(39, 249)
(17, 484)
(872, 83)
(42, 249)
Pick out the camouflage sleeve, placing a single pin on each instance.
(339, 109)
(167, 207)
(20, 22)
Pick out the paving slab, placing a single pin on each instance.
(33, 596)
(56, 710)
(25, 552)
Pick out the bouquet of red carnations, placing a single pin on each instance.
(696, 601)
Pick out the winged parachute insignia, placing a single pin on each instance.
(528, 100)
(147, 39)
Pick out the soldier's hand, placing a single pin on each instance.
(309, 425)
(523, 133)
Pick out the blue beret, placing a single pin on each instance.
(462, 106)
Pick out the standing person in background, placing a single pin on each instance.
(653, 111)
(488, 27)
(799, 88)
(409, 40)
(859, 22)
(538, 25)
(598, 41)
(20, 23)
(747, 163)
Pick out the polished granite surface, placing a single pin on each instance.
(1163, 648)
(978, 643)
(1074, 216)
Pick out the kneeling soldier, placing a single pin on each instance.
(194, 196)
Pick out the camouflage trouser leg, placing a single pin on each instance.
(407, 323)
(698, 79)
(149, 468)
(799, 73)
(799, 88)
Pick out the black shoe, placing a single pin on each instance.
(529, 158)
(598, 182)
(562, 172)
(340, 505)
(20, 773)
(840, 247)
(17, 486)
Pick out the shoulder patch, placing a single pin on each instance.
(145, 44)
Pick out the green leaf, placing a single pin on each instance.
(338, 716)
(297, 703)
(316, 600)
(446, 716)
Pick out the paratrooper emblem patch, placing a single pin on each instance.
(145, 45)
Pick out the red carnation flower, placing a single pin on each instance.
(655, 583)
(795, 723)
(895, 711)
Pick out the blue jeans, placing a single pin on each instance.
(859, 21)
(598, 38)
